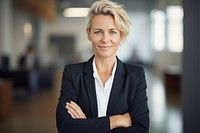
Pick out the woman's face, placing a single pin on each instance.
(104, 35)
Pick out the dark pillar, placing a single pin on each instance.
(191, 67)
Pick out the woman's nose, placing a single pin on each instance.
(105, 38)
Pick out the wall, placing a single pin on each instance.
(63, 26)
(6, 41)
(165, 60)
(20, 42)
(139, 37)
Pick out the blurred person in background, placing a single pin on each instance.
(29, 62)
(104, 95)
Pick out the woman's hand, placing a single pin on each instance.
(120, 121)
(74, 110)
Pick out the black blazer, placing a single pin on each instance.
(128, 94)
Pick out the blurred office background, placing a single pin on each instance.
(164, 39)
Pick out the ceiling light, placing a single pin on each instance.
(27, 29)
(75, 12)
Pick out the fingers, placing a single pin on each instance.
(72, 115)
(74, 106)
(74, 110)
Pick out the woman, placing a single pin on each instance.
(104, 95)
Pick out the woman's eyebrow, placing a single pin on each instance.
(113, 29)
(97, 29)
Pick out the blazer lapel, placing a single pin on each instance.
(116, 87)
(90, 87)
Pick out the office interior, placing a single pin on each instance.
(163, 39)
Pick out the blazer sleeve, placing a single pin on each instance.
(138, 108)
(64, 122)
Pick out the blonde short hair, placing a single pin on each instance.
(107, 7)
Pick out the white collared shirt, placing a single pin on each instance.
(103, 92)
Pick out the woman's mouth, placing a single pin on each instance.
(104, 47)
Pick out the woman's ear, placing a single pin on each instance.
(88, 32)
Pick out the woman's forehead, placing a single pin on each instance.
(103, 21)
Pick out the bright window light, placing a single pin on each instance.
(175, 28)
(158, 28)
(75, 12)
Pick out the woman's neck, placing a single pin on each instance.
(105, 65)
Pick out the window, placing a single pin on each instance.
(175, 28)
(158, 28)
(167, 29)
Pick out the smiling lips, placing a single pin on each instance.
(104, 47)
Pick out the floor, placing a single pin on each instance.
(36, 114)
(165, 108)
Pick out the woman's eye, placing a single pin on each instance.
(113, 32)
(97, 32)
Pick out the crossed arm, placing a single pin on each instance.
(115, 121)
(70, 117)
